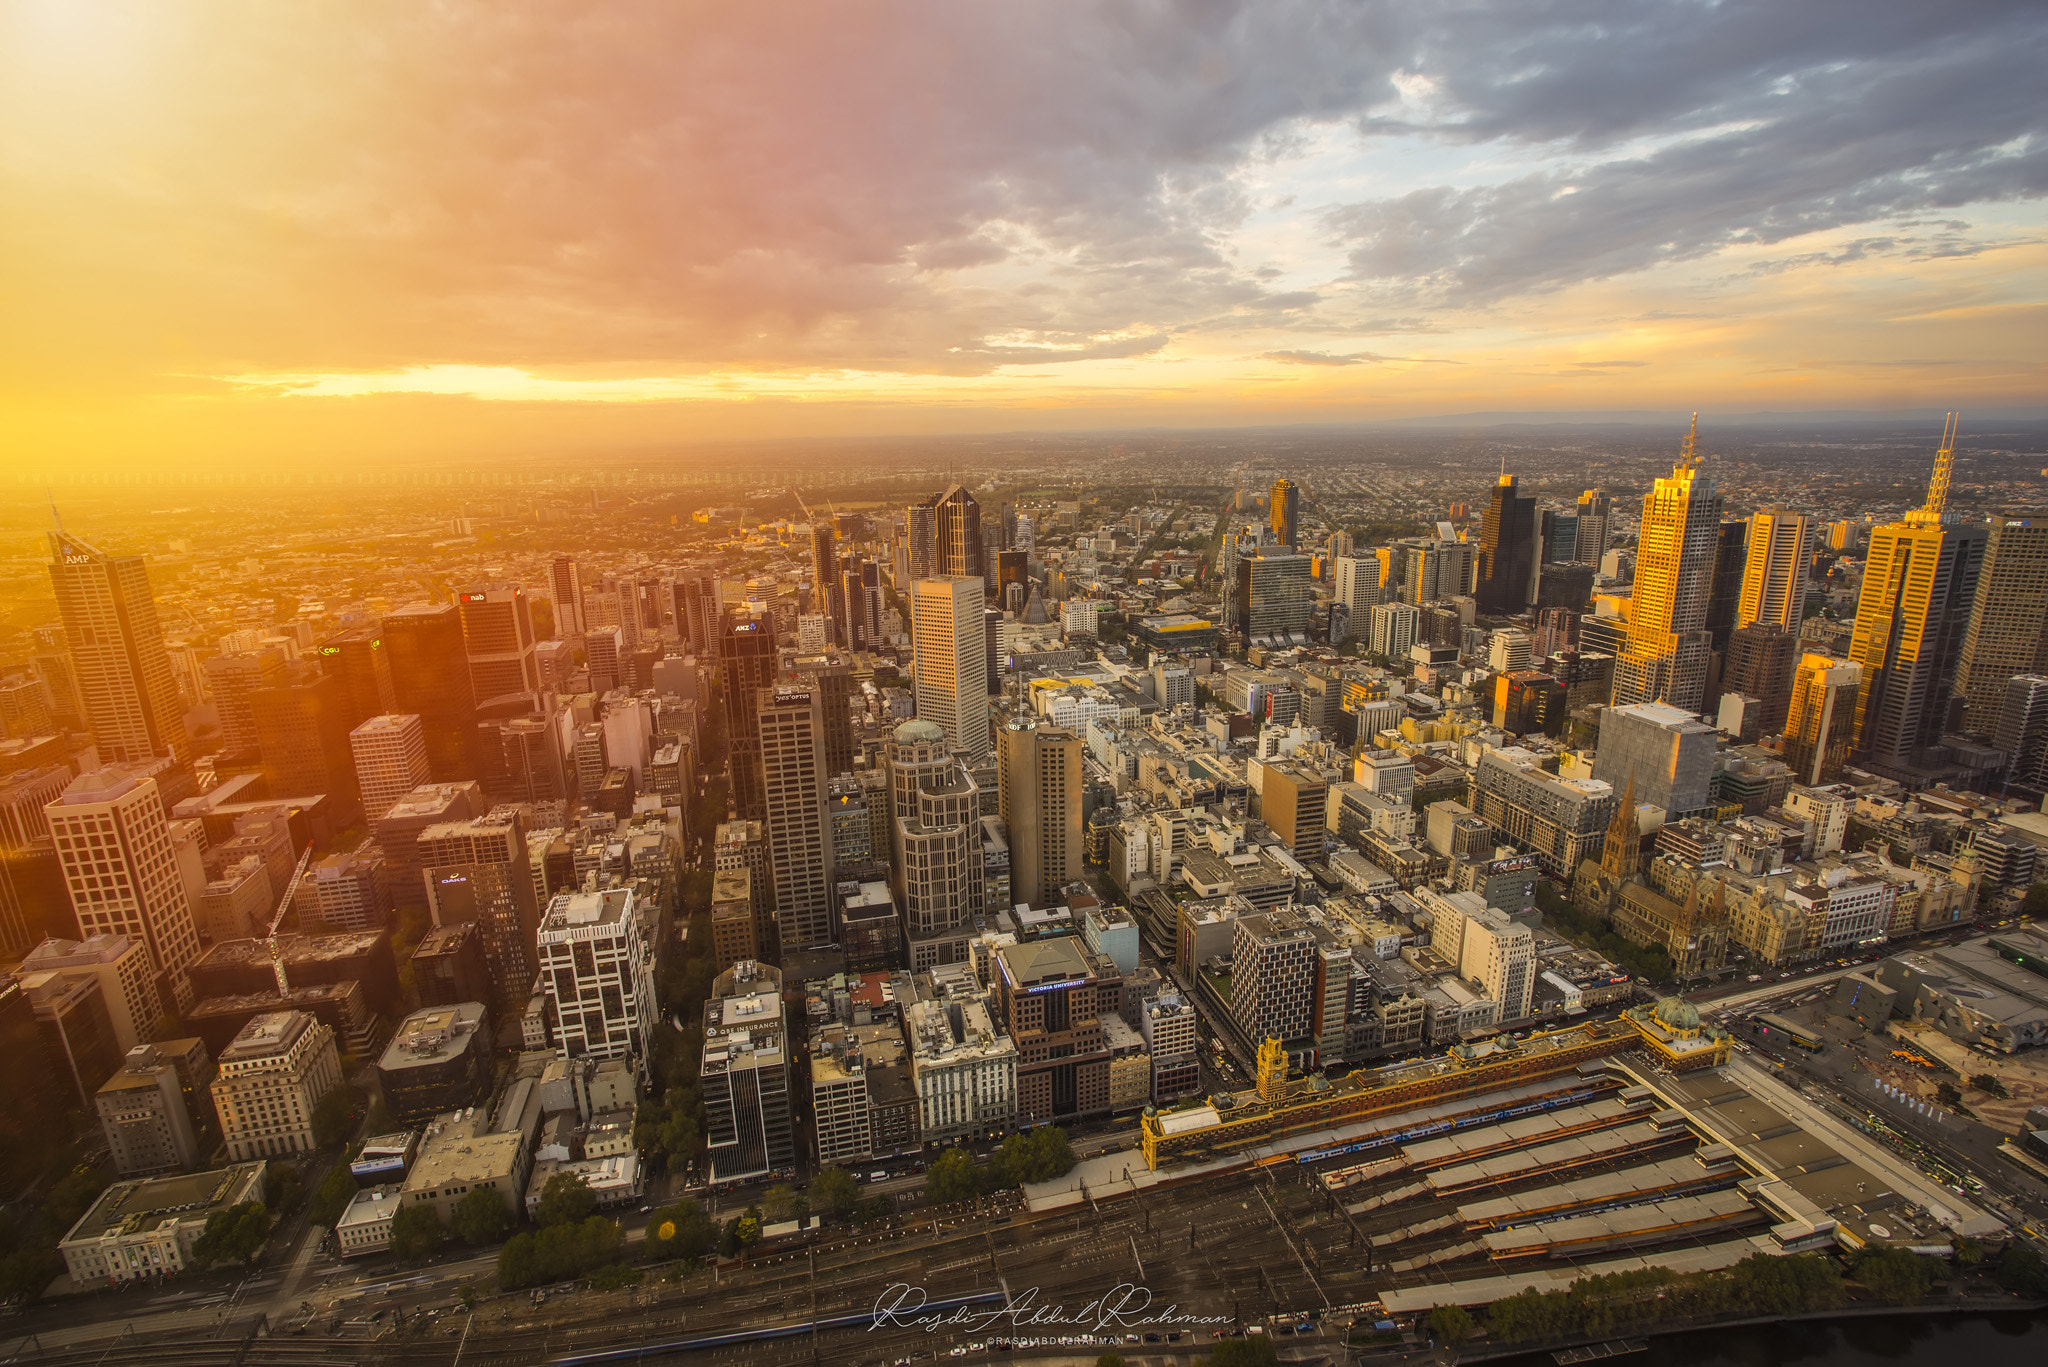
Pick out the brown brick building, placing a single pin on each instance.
(1053, 995)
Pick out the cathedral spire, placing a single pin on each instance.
(1623, 848)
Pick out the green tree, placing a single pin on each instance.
(682, 1230)
(1947, 1095)
(415, 1231)
(834, 1194)
(1450, 1324)
(26, 1271)
(747, 1228)
(233, 1234)
(336, 1114)
(2037, 900)
(1895, 1275)
(1035, 1156)
(481, 1217)
(518, 1263)
(783, 1202)
(566, 1200)
(1110, 1360)
(2021, 1269)
(337, 1189)
(613, 1276)
(1989, 1084)
(283, 1187)
(951, 1178)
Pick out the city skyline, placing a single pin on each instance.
(697, 663)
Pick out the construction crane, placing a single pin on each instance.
(284, 986)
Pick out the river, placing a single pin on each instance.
(2008, 1340)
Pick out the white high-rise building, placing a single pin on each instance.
(1393, 629)
(391, 760)
(949, 644)
(1500, 956)
(114, 844)
(598, 974)
(1358, 588)
(1507, 650)
(118, 658)
(1774, 573)
(271, 1080)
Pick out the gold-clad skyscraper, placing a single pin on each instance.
(1665, 656)
(1284, 504)
(1919, 581)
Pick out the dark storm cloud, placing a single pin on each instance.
(1682, 129)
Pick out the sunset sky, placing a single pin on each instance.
(259, 231)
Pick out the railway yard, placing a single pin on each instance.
(1525, 1167)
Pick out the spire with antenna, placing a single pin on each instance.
(1688, 455)
(1944, 469)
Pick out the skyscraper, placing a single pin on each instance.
(937, 836)
(118, 661)
(1507, 540)
(1761, 658)
(358, 658)
(598, 973)
(1774, 573)
(302, 731)
(699, 611)
(604, 658)
(2023, 731)
(746, 655)
(793, 781)
(827, 596)
(2008, 632)
(565, 584)
(1821, 719)
(1275, 598)
(1595, 513)
(430, 679)
(920, 538)
(1724, 594)
(949, 647)
(497, 634)
(479, 870)
(1284, 504)
(391, 760)
(1666, 654)
(1038, 775)
(234, 679)
(956, 534)
(829, 674)
(1557, 536)
(113, 842)
(1919, 582)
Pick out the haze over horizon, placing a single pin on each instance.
(382, 233)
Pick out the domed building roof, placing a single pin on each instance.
(918, 731)
(1677, 1013)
